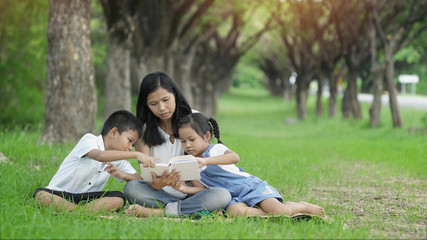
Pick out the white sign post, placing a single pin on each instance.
(412, 79)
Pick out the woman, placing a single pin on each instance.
(160, 106)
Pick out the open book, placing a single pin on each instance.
(187, 165)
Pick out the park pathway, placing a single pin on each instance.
(405, 101)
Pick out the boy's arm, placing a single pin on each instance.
(115, 155)
(229, 157)
(114, 171)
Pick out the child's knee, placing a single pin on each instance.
(116, 202)
(38, 194)
(131, 186)
(236, 210)
(43, 197)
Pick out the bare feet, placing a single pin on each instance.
(140, 211)
(314, 209)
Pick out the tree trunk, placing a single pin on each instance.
(136, 75)
(377, 81)
(182, 63)
(391, 86)
(301, 96)
(332, 94)
(287, 93)
(117, 82)
(319, 107)
(275, 86)
(346, 104)
(377, 89)
(70, 107)
(350, 104)
(203, 92)
(120, 24)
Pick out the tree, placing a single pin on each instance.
(120, 24)
(274, 63)
(165, 38)
(218, 53)
(327, 56)
(396, 29)
(70, 104)
(299, 38)
(351, 21)
(377, 75)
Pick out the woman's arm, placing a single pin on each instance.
(229, 157)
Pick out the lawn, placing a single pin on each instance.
(371, 182)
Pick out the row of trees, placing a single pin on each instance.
(197, 42)
(200, 42)
(322, 38)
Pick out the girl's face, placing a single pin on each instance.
(162, 103)
(192, 142)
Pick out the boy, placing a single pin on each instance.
(85, 171)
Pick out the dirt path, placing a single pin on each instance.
(390, 207)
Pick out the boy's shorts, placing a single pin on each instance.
(82, 197)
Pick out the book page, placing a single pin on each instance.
(182, 158)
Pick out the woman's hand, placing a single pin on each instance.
(167, 179)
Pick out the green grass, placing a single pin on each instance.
(371, 182)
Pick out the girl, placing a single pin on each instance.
(160, 105)
(250, 195)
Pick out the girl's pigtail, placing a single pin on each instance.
(215, 128)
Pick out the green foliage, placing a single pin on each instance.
(247, 76)
(413, 60)
(409, 55)
(23, 44)
(424, 121)
(23, 41)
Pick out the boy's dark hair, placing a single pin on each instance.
(123, 120)
(200, 124)
(149, 84)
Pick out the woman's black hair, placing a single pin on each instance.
(200, 124)
(149, 84)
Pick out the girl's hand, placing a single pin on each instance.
(201, 162)
(180, 186)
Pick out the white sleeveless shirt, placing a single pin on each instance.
(166, 151)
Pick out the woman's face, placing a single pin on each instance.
(162, 103)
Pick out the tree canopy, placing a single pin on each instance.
(207, 46)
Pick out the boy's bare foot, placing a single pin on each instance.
(140, 211)
(314, 209)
